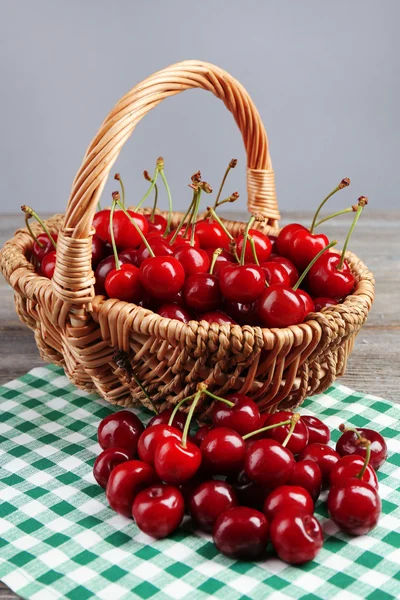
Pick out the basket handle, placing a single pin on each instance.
(73, 279)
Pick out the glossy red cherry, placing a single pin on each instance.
(244, 417)
(288, 266)
(272, 239)
(351, 466)
(101, 223)
(284, 243)
(175, 311)
(200, 434)
(193, 260)
(321, 302)
(218, 317)
(211, 235)
(208, 501)
(296, 536)
(45, 247)
(106, 462)
(317, 430)
(275, 274)
(307, 301)
(242, 313)
(151, 437)
(164, 416)
(325, 457)
(305, 246)
(269, 463)
(159, 246)
(125, 233)
(98, 250)
(288, 497)
(103, 269)
(174, 463)
(201, 292)
(262, 245)
(241, 532)
(124, 283)
(125, 482)
(354, 506)
(156, 223)
(120, 430)
(48, 265)
(242, 283)
(247, 491)
(325, 279)
(307, 474)
(221, 261)
(347, 445)
(299, 438)
(280, 306)
(162, 276)
(183, 240)
(223, 451)
(159, 510)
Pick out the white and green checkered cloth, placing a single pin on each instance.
(59, 539)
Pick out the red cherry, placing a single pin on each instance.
(201, 292)
(125, 482)
(163, 419)
(272, 239)
(244, 417)
(200, 434)
(223, 451)
(151, 437)
(175, 311)
(248, 492)
(208, 501)
(325, 279)
(218, 317)
(156, 223)
(288, 266)
(269, 463)
(317, 430)
(98, 250)
(288, 497)
(284, 242)
(193, 260)
(124, 283)
(183, 240)
(305, 246)
(47, 246)
(325, 457)
(280, 306)
(241, 532)
(296, 536)
(321, 302)
(242, 283)
(350, 466)
(242, 313)
(354, 506)
(120, 430)
(275, 273)
(48, 265)
(174, 463)
(101, 223)
(299, 438)
(347, 445)
(125, 233)
(103, 269)
(162, 276)
(307, 474)
(159, 246)
(159, 510)
(211, 235)
(262, 244)
(221, 261)
(307, 301)
(106, 462)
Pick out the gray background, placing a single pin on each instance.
(324, 76)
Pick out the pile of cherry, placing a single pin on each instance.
(200, 271)
(247, 479)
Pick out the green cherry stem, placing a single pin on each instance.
(117, 200)
(29, 212)
(218, 398)
(336, 214)
(314, 260)
(147, 194)
(215, 255)
(293, 422)
(113, 244)
(344, 183)
(343, 429)
(139, 383)
(232, 165)
(117, 176)
(153, 210)
(367, 445)
(177, 407)
(160, 168)
(29, 228)
(194, 216)
(214, 215)
(196, 399)
(232, 198)
(249, 435)
(182, 221)
(253, 249)
(245, 236)
(362, 202)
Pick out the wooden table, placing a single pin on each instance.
(374, 365)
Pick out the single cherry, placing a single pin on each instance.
(242, 283)
(208, 501)
(241, 533)
(163, 419)
(156, 223)
(354, 506)
(48, 265)
(125, 482)
(223, 451)
(200, 434)
(125, 233)
(349, 444)
(325, 457)
(45, 247)
(299, 437)
(193, 260)
(353, 466)
(284, 242)
(98, 250)
(174, 462)
(280, 306)
(120, 430)
(103, 269)
(275, 274)
(217, 316)
(288, 266)
(262, 245)
(159, 246)
(287, 497)
(152, 436)
(124, 283)
(317, 430)
(321, 302)
(201, 292)
(242, 313)
(247, 491)
(305, 246)
(175, 311)
(211, 235)
(326, 279)
(158, 510)
(162, 276)
(307, 474)
(101, 223)
(296, 536)
(269, 463)
(242, 414)
(106, 462)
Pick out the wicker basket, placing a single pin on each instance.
(81, 331)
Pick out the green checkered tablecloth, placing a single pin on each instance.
(59, 539)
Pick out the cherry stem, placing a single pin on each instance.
(232, 165)
(344, 183)
(352, 226)
(153, 210)
(182, 221)
(267, 428)
(314, 260)
(177, 407)
(147, 194)
(343, 429)
(113, 244)
(189, 417)
(333, 215)
(293, 422)
(139, 383)
(31, 213)
(117, 176)
(367, 445)
(215, 255)
(145, 242)
(245, 236)
(29, 228)
(253, 249)
(214, 397)
(214, 215)
(169, 219)
(194, 216)
(232, 198)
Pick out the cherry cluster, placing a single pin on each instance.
(247, 478)
(199, 270)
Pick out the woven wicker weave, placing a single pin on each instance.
(81, 331)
